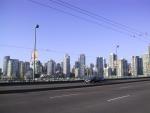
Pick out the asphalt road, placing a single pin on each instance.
(119, 98)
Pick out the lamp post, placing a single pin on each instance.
(37, 26)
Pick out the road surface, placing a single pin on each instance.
(119, 98)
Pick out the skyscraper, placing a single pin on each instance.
(51, 67)
(82, 70)
(58, 68)
(91, 69)
(9, 68)
(136, 66)
(113, 63)
(38, 68)
(13, 69)
(146, 63)
(99, 66)
(88, 71)
(21, 69)
(62, 66)
(112, 60)
(77, 72)
(140, 66)
(82, 61)
(129, 69)
(77, 64)
(45, 68)
(77, 69)
(107, 72)
(66, 65)
(26, 67)
(122, 69)
(5, 65)
(104, 63)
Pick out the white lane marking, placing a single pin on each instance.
(61, 96)
(118, 98)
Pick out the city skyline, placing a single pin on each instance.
(78, 58)
(16, 69)
(20, 17)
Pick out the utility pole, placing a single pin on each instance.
(37, 26)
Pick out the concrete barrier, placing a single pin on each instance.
(38, 82)
(69, 86)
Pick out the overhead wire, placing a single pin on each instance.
(133, 32)
(79, 17)
(101, 18)
(88, 20)
(93, 15)
(42, 49)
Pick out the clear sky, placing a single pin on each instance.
(66, 34)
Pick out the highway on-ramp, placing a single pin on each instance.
(117, 98)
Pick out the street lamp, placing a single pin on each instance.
(37, 26)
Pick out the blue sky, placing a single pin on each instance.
(63, 33)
